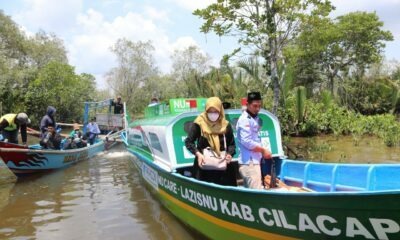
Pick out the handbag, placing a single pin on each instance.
(212, 161)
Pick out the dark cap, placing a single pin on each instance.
(22, 118)
(253, 96)
(226, 105)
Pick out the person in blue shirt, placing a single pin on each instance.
(251, 149)
(92, 131)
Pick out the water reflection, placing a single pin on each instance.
(345, 149)
(154, 216)
(5, 190)
(102, 198)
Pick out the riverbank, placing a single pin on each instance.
(329, 148)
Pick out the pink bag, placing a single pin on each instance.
(212, 161)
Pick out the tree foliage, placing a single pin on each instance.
(265, 25)
(329, 50)
(136, 67)
(189, 67)
(325, 73)
(34, 73)
(58, 85)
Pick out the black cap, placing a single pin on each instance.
(253, 96)
(226, 105)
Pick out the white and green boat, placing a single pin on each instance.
(349, 201)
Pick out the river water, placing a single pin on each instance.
(104, 197)
(345, 149)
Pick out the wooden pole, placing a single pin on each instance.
(86, 117)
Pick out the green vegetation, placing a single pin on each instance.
(305, 53)
(266, 26)
(34, 73)
(319, 75)
(319, 119)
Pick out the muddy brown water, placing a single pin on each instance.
(104, 197)
(345, 149)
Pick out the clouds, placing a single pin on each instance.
(157, 14)
(90, 28)
(49, 15)
(90, 49)
(90, 34)
(97, 35)
(192, 5)
(388, 12)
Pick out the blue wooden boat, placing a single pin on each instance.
(22, 159)
(346, 201)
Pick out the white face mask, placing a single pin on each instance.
(213, 116)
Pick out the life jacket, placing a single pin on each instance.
(10, 118)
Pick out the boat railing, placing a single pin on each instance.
(156, 110)
(325, 177)
(175, 106)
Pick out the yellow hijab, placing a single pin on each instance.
(211, 130)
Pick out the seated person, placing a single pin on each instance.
(47, 120)
(92, 131)
(51, 139)
(76, 139)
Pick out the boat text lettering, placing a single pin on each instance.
(200, 199)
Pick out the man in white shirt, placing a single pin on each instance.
(92, 131)
(251, 149)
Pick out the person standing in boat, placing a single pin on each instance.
(209, 130)
(118, 106)
(11, 123)
(92, 131)
(251, 149)
(48, 120)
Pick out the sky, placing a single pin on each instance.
(90, 27)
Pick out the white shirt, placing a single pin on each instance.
(93, 128)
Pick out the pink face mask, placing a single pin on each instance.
(213, 116)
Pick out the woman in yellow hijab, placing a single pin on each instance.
(209, 130)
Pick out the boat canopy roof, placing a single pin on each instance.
(163, 113)
(160, 136)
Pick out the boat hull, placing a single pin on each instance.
(221, 212)
(23, 160)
